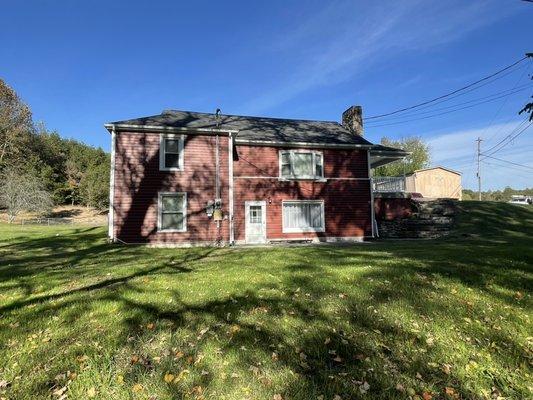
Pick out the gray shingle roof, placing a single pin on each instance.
(256, 128)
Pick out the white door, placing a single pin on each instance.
(255, 221)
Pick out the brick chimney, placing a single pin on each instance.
(352, 119)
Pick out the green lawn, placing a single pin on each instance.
(443, 319)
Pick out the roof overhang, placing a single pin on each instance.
(382, 156)
(269, 143)
(244, 142)
(168, 129)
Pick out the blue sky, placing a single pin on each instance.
(81, 64)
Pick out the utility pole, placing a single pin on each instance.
(478, 174)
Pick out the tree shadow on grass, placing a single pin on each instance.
(319, 300)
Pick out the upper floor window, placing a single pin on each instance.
(171, 153)
(301, 164)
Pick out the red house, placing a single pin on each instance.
(187, 178)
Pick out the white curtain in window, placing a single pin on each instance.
(302, 216)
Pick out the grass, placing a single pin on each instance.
(446, 318)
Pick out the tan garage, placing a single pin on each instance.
(435, 182)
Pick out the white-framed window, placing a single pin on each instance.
(303, 216)
(171, 152)
(301, 164)
(172, 212)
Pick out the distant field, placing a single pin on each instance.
(63, 214)
(450, 318)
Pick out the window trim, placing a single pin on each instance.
(299, 230)
(160, 211)
(162, 151)
(314, 177)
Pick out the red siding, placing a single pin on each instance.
(346, 192)
(138, 182)
(346, 198)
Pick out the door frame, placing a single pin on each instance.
(247, 205)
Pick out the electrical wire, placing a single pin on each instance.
(485, 99)
(438, 114)
(450, 93)
(501, 107)
(509, 162)
(502, 143)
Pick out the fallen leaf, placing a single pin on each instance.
(327, 341)
(82, 358)
(120, 379)
(364, 387)
(60, 392)
(150, 326)
(450, 392)
(337, 359)
(168, 378)
(446, 368)
(137, 388)
(181, 375)
(275, 356)
(197, 390)
(337, 397)
(91, 392)
(134, 359)
(400, 388)
(427, 396)
(277, 396)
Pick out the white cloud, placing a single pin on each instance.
(457, 150)
(345, 38)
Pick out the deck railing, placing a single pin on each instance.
(388, 184)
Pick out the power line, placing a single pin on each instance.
(502, 143)
(439, 114)
(510, 167)
(463, 92)
(450, 93)
(503, 104)
(509, 162)
(479, 100)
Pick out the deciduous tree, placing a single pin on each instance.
(21, 191)
(418, 158)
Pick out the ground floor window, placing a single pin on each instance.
(172, 212)
(303, 216)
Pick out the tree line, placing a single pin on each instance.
(497, 195)
(40, 169)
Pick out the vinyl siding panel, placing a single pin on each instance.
(345, 192)
(138, 182)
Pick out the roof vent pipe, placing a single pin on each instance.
(217, 118)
